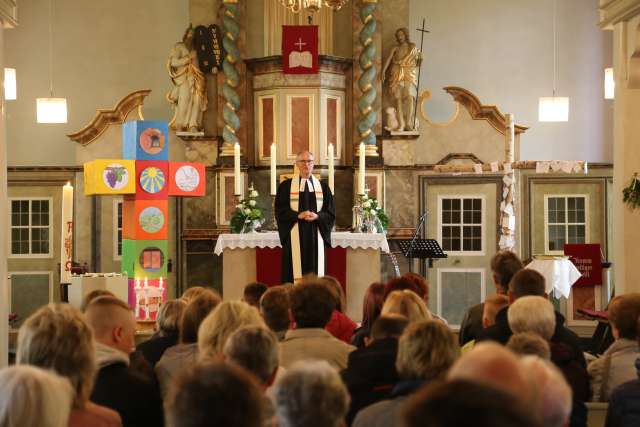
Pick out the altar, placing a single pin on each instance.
(354, 259)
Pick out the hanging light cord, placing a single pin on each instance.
(555, 47)
(50, 49)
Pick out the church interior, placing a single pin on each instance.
(445, 131)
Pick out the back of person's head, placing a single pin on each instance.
(194, 291)
(550, 391)
(408, 304)
(400, 284)
(624, 311)
(212, 394)
(311, 394)
(464, 403)
(504, 264)
(388, 326)
(169, 316)
(274, 307)
(33, 397)
(197, 309)
(96, 293)
(336, 289)
(112, 322)
(57, 337)
(491, 364)
(529, 343)
(311, 305)
(526, 282)
(255, 348)
(421, 284)
(532, 314)
(252, 293)
(227, 318)
(372, 303)
(426, 350)
(492, 305)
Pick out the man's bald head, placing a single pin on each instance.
(491, 364)
(112, 322)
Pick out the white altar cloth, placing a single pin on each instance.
(343, 239)
(559, 275)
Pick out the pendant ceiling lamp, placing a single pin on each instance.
(311, 6)
(51, 110)
(554, 108)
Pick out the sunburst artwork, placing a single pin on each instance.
(152, 180)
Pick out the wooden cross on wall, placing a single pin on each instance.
(146, 178)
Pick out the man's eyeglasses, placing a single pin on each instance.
(304, 161)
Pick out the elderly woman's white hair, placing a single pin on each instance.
(57, 337)
(552, 394)
(311, 394)
(532, 314)
(223, 321)
(33, 397)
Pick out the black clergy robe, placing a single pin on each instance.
(287, 218)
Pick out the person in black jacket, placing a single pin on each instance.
(133, 395)
(168, 332)
(624, 404)
(371, 371)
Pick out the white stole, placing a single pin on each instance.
(294, 197)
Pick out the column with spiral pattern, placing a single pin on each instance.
(367, 79)
(231, 75)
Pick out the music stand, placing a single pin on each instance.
(422, 249)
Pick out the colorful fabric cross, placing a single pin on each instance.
(146, 178)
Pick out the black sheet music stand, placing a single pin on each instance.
(422, 248)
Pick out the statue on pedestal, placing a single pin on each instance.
(401, 80)
(188, 96)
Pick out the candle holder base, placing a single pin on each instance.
(272, 224)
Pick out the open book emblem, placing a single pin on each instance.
(300, 59)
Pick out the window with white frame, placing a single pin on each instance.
(30, 225)
(566, 220)
(117, 229)
(461, 223)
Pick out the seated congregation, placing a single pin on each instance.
(289, 356)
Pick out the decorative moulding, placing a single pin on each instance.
(104, 117)
(450, 158)
(9, 13)
(478, 111)
(615, 11)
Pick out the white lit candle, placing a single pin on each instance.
(361, 170)
(274, 182)
(66, 234)
(237, 189)
(510, 138)
(331, 171)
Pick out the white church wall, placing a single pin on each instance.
(102, 51)
(502, 51)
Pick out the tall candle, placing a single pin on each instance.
(361, 170)
(237, 183)
(331, 171)
(66, 234)
(274, 182)
(510, 138)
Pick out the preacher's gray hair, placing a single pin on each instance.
(532, 314)
(254, 348)
(34, 397)
(311, 394)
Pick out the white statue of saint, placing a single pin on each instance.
(402, 63)
(188, 96)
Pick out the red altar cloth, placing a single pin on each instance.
(268, 265)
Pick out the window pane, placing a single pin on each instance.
(446, 244)
(571, 203)
(467, 204)
(44, 205)
(467, 217)
(580, 216)
(455, 204)
(35, 205)
(35, 218)
(446, 217)
(15, 234)
(467, 245)
(24, 247)
(35, 234)
(455, 217)
(24, 218)
(446, 204)
(24, 234)
(477, 217)
(455, 232)
(15, 248)
(580, 203)
(477, 244)
(44, 218)
(455, 245)
(571, 216)
(477, 204)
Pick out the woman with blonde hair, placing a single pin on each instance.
(408, 304)
(227, 318)
(57, 337)
(33, 397)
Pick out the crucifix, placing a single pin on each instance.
(300, 43)
(415, 107)
(146, 178)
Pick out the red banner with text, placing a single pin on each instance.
(300, 49)
(587, 259)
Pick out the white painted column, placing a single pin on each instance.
(4, 225)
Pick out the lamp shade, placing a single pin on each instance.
(553, 109)
(10, 84)
(609, 83)
(51, 110)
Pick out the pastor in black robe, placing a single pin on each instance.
(287, 218)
